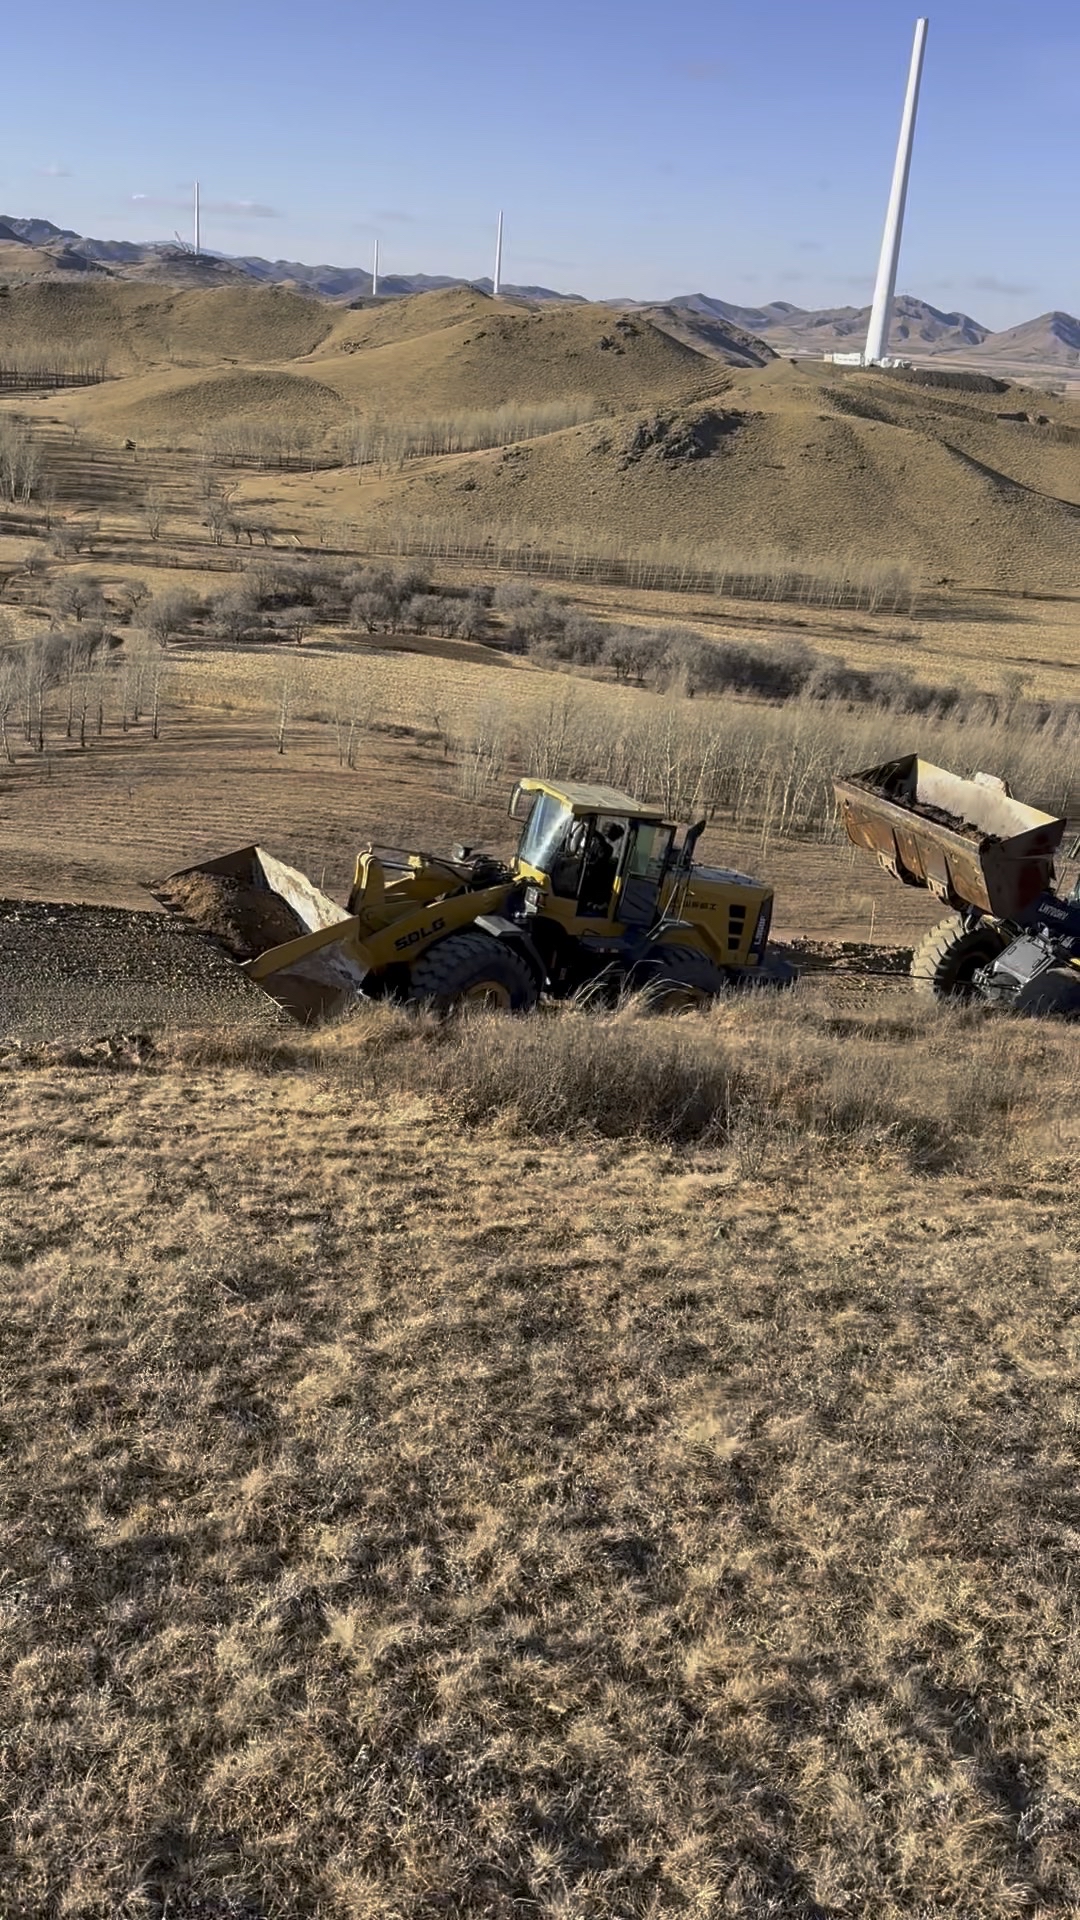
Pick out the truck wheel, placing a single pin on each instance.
(1055, 992)
(472, 970)
(943, 963)
(675, 978)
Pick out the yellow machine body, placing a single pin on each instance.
(597, 883)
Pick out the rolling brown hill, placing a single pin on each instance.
(138, 327)
(1051, 340)
(720, 339)
(806, 460)
(432, 355)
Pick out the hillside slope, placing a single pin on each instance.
(814, 466)
(434, 354)
(136, 327)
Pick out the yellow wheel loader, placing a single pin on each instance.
(602, 893)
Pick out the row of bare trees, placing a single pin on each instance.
(668, 565)
(379, 442)
(769, 767)
(20, 460)
(64, 683)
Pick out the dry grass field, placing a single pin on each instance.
(592, 1467)
(599, 1467)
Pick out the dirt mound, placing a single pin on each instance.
(499, 352)
(877, 472)
(848, 957)
(949, 379)
(246, 920)
(171, 411)
(676, 439)
(74, 973)
(408, 318)
(134, 326)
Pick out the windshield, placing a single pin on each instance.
(544, 830)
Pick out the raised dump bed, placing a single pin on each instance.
(967, 841)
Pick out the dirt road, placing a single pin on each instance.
(68, 972)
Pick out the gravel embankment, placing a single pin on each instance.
(71, 972)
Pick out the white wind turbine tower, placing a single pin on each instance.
(375, 270)
(197, 222)
(496, 285)
(877, 338)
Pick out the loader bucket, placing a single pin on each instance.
(967, 841)
(277, 924)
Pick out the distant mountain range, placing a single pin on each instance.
(742, 336)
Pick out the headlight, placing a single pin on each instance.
(532, 899)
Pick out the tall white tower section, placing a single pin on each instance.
(375, 270)
(877, 338)
(496, 285)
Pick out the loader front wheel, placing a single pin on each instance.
(473, 970)
(944, 963)
(674, 979)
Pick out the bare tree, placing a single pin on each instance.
(77, 595)
(82, 534)
(295, 622)
(38, 664)
(20, 460)
(167, 614)
(153, 512)
(136, 594)
(234, 614)
(285, 698)
(9, 696)
(9, 682)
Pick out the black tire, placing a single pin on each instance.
(1055, 993)
(945, 960)
(473, 969)
(676, 978)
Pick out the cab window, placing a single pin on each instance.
(649, 851)
(544, 831)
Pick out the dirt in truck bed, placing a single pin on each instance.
(71, 972)
(938, 817)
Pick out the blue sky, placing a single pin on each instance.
(740, 150)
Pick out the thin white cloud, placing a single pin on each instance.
(245, 209)
(230, 209)
(990, 283)
(54, 172)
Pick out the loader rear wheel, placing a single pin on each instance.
(1055, 992)
(473, 970)
(944, 962)
(677, 978)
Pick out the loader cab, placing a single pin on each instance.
(600, 856)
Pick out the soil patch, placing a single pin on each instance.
(73, 972)
(246, 920)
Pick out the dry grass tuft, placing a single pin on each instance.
(766, 1072)
(401, 1518)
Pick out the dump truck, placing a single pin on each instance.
(1009, 938)
(604, 893)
